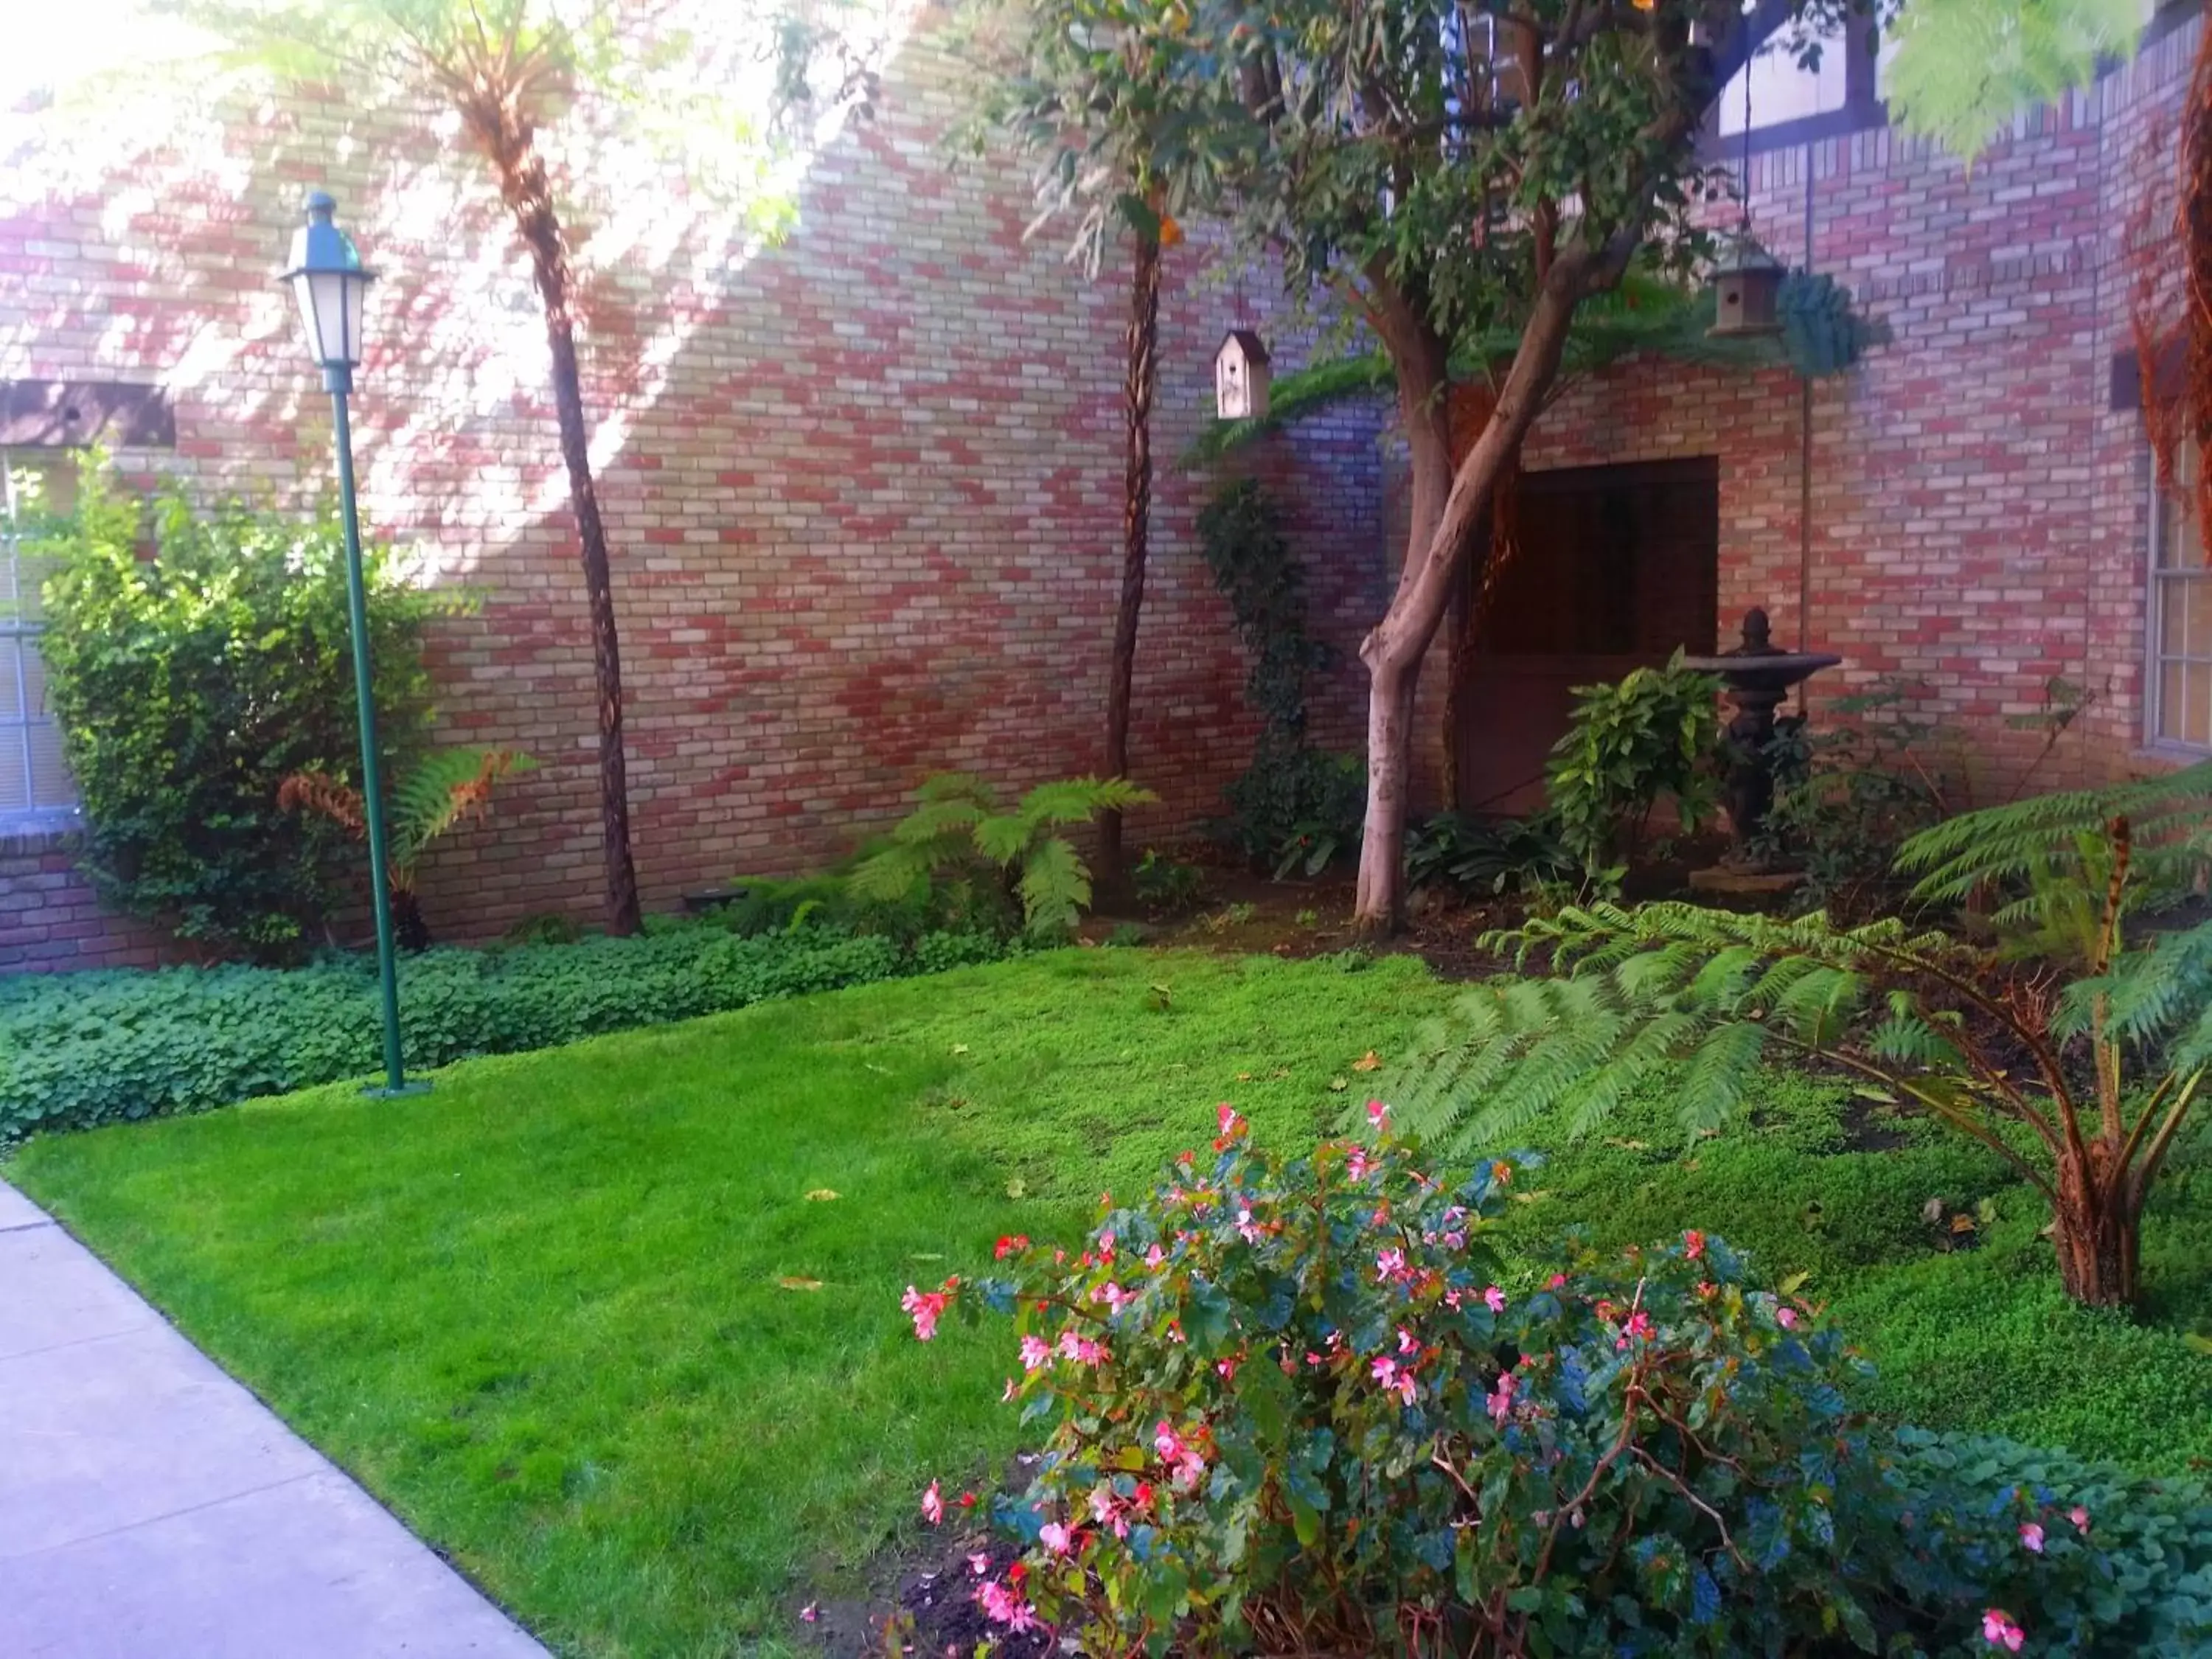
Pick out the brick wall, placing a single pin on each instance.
(49, 917)
(1979, 511)
(863, 489)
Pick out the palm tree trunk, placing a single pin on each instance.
(528, 194)
(1139, 380)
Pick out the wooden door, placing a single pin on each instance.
(1619, 566)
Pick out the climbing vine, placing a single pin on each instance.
(1291, 792)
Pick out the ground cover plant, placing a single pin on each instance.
(577, 1317)
(80, 1049)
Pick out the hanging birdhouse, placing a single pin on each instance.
(1747, 285)
(1240, 377)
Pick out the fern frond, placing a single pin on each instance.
(1078, 800)
(958, 785)
(1719, 1075)
(1055, 886)
(896, 872)
(2147, 994)
(933, 823)
(444, 788)
(324, 796)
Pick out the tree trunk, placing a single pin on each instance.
(528, 194)
(1446, 506)
(1140, 375)
(2096, 1223)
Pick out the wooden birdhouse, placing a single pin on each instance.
(1746, 287)
(1240, 377)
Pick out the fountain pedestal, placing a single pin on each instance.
(1759, 675)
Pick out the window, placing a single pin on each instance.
(2180, 616)
(35, 790)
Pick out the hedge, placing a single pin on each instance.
(81, 1049)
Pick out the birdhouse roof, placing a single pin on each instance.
(1246, 341)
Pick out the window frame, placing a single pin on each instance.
(2159, 578)
(33, 819)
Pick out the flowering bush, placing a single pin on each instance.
(1298, 1405)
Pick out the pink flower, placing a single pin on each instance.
(1154, 1256)
(1378, 1116)
(1112, 1294)
(1558, 1282)
(1693, 1244)
(1004, 1606)
(1227, 1368)
(1408, 1342)
(1394, 1378)
(1496, 1299)
(1106, 1246)
(967, 1500)
(1167, 1443)
(933, 1505)
(1056, 1538)
(2080, 1517)
(2030, 1537)
(1999, 1631)
(1081, 1349)
(811, 1612)
(1389, 1265)
(1356, 1165)
(979, 1563)
(1786, 1317)
(1501, 1399)
(1101, 1503)
(926, 1307)
(1036, 1353)
(1638, 1324)
(1008, 1243)
(1246, 1226)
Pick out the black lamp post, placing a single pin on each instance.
(329, 283)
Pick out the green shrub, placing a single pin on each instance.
(81, 1050)
(191, 686)
(1653, 737)
(1289, 1408)
(1484, 857)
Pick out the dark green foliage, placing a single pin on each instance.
(961, 849)
(1484, 857)
(766, 904)
(1652, 736)
(1295, 806)
(189, 688)
(1241, 532)
(1848, 794)
(1166, 885)
(81, 1050)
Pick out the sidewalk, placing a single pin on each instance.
(150, 1507)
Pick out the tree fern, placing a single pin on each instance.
(1922, 1015)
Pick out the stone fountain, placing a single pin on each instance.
(1759, 675)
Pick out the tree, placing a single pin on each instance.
(511, 69)
(1080, 66)
(1446, 172)
(2071, 1046)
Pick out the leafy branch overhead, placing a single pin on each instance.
(2071, 1046)
(959, 834)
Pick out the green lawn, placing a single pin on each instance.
(563, 1312)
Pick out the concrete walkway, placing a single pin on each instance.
(150, 1507)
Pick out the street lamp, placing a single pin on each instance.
(329, 283)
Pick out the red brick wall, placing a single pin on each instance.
(50, 918)
(1979, 512)
(863, 488)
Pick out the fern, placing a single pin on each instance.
(440, 790)
(958, 831)
(1918, 1013)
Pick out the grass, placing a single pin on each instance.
(587, 1320)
